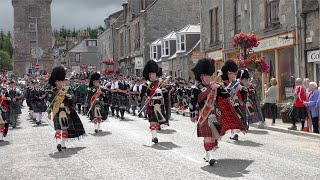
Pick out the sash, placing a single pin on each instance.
(4, 105)
(207, 108)
(93, 98)
(153, 87)
(56, 104)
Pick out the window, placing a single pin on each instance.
(165, 48)
(91, 43)
(121, 45)
(181, 43)
(143, 4)
(32, 27)
(214, 25)
(77, 57)
(137, 36)
(129, 37)
(272, 13)
(237, 17)
(154, 52)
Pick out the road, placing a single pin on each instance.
(124, 151)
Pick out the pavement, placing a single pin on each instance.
(124, 151)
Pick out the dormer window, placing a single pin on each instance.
(153, 52)
(181, 43)
(165, 48)
(91, 43)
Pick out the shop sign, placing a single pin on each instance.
(275, 42)
(217, 55)
(138, 63)
(289, 93)
(314, 56)
(197, 55)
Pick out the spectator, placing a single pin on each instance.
(299, 111)
(306, 82)
(270, 101)
(312, 106)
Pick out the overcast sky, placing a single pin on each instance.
(70, 13)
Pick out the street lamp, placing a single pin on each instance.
(37, 53)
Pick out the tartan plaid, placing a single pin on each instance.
(228, 117)
(257, 116)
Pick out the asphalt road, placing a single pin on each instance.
(124, 151)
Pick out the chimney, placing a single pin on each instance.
(83, 35)
(125, 9)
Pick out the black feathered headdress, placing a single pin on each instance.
(58, 74)
(94, 77)
(203, 67)
(150, 67)
(229, 66)
(243, 73)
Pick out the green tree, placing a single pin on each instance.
(5, 60)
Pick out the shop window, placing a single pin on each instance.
(286, 73)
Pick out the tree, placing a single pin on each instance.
(5, 60)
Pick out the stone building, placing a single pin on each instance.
(277, 24)
(311, 38)
(144, 22)
(26, 14)
(108, 40)
(82, 55)
(179, 65)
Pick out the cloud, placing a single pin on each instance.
(68, 13)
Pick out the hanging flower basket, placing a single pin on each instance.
(254, 63)
(108, 61)
(243, 40)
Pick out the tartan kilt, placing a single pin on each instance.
(152, 115)
(123, 100)
(228, 117)
(114, 99)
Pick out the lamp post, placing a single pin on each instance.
(37, 39)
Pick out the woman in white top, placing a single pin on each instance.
(271, 100)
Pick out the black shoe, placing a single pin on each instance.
(100, 130)
(64, 147)
(38, 123)
(118, 116)
(155, 140)
(133, 114)
(122, 118)
(212, 161)
(59, 147)
(235, 137)
(96, 131)
(139, 115)
(13, 126)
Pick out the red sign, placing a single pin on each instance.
(37, 66)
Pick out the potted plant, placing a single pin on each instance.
(285, 108)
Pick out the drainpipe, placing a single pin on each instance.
(250, 9)
(303, 38)
(223, 31)
(297, 38)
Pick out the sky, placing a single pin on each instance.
(70, 13)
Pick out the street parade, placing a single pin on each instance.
(159, 89)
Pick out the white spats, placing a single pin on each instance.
(98, 126)
(211, 160)
(1, 136)
(154, 134)
(205, 156)
(63, 142)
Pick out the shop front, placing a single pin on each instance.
(279, 53)
(314, 60)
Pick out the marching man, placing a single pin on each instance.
(66, 120)
(155, 98)
(95, 97)
(210, 108)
